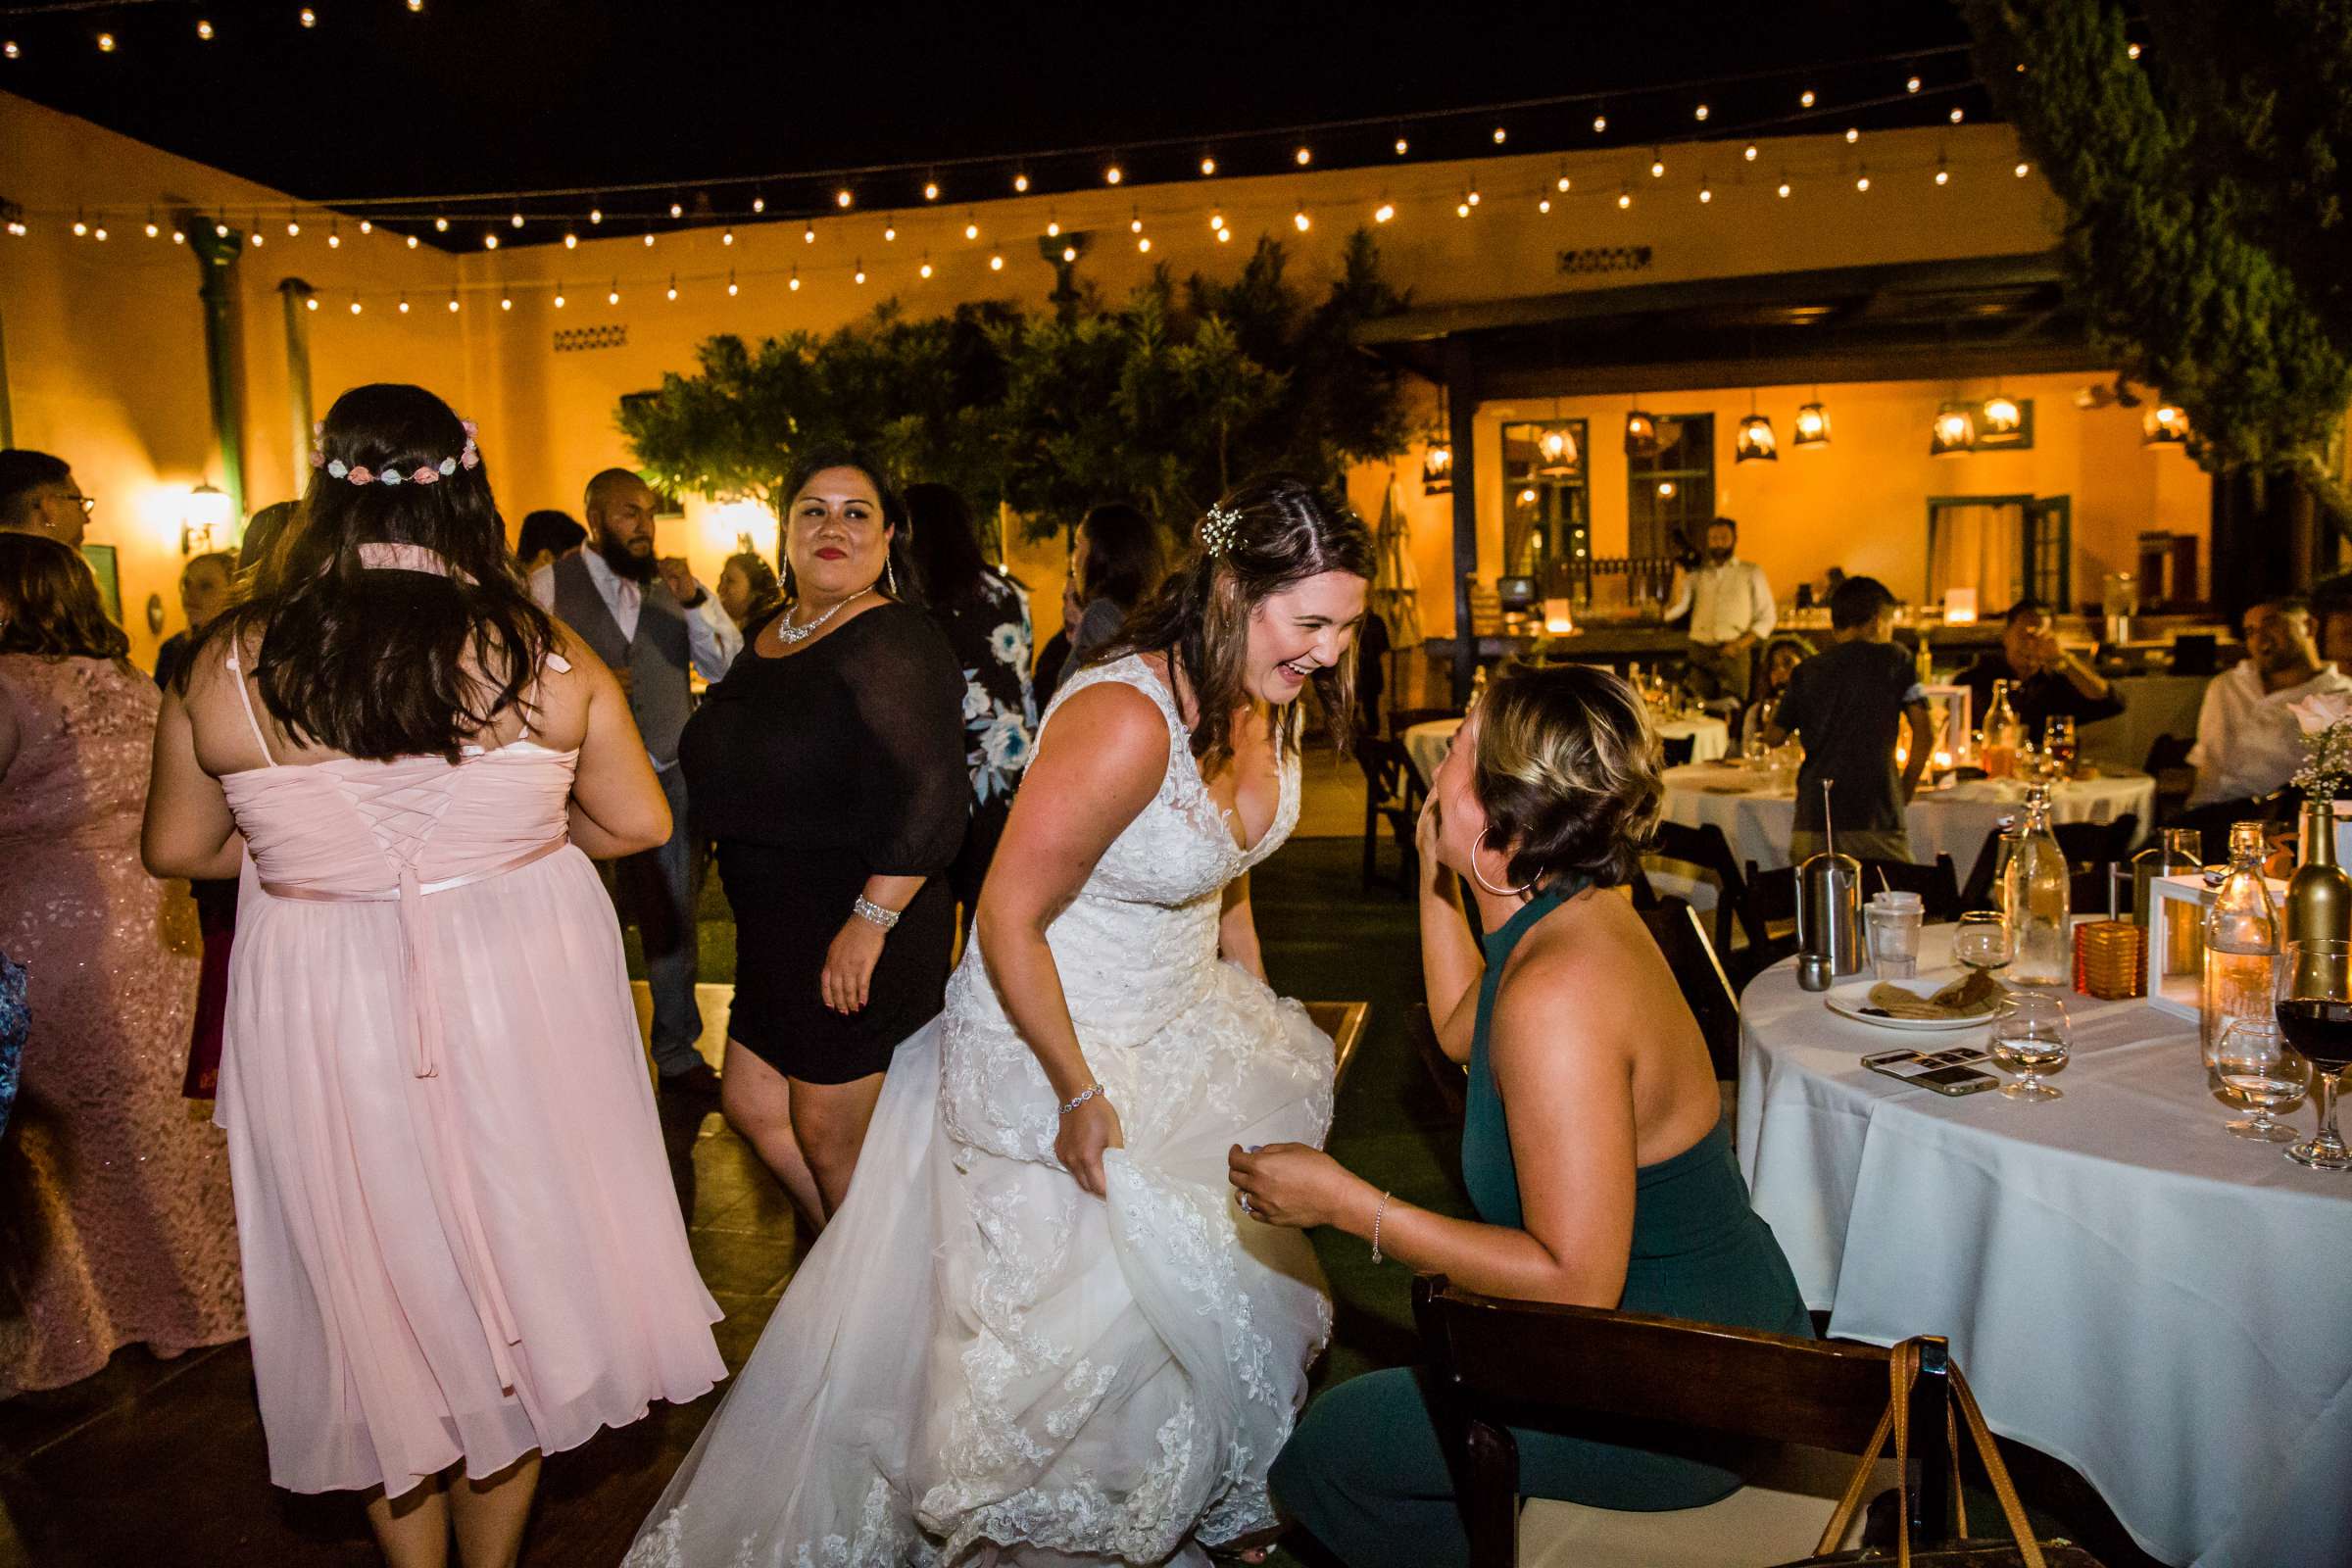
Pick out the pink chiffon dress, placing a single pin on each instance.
(460, 1234)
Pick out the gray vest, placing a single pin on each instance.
(657, 657)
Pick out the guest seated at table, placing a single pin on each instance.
(1847, 704)
(1782, 656)
(2331, 617)
(2044, 679)
(2248, 743)
(1593, 1149)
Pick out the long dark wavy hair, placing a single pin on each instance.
(903, 562)
(1285, 532)
(49, 603)
(382, 663)
(946, 545)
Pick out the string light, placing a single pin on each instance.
(673, 292)
(572, 241)
(1113, 174)
(1749, 152)
(858, 276)
(726, 236)
(1700, 114)
(930, 190)
(1600, 125)
(808, 234)
(1657, 164)
(1403, 146)
(440, 226)
(1624, 198)
(794, 282)
(613, 295)
(309, 19)
(677, 209)
(106, 43)
(1853, 135)
(1958, 115)
(732, 289)
(1300, 221)
(926, 268)
(1303, 157)
(504, 303)
(1501, 135)
(204, 30)
(1805, 100)
(1385, 211)
(995, 262)
(1208, 166)
(841, 197)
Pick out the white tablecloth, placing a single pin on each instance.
(2164, 1306)
(1954, 821)
(1425, 743)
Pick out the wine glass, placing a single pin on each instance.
(2030, 1032)
(2314, 998)
(2255, 1067)
(1982, 941)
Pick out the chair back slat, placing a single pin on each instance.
(1705, 846)
(1699, 974)
(1938, 885)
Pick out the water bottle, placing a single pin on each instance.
(2241, 940)
(2035, 885)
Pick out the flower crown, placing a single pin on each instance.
(422, 473)
(1219, 530)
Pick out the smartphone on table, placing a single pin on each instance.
(1957, 1071)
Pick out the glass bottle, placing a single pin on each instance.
(2007, 831)
(2035, 884)
(2002, 734)
(2174, 854)
(2241, 939)
(2318, 901)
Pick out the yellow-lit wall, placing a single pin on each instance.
(105, 348)
(1862, 502)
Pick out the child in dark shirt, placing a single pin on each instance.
(1847, 704)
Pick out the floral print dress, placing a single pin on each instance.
(991, 635)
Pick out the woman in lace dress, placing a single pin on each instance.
(1038, 1331)
(115, 1224)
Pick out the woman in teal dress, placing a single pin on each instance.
(1592, 1145)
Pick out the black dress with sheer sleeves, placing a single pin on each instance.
(814, 770)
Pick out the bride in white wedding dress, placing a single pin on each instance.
(1039, 1330)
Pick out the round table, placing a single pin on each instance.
(1954, 821)
(1425, 743)
(2164, 1306)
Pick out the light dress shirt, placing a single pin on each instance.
(2248, 742)
(1725, 602)
(711, 651)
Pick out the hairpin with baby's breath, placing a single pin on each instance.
(1219, 530)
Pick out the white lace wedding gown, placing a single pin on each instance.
(981, 1363)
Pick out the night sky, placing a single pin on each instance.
(479, 96)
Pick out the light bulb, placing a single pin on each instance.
(971, 229)
(452, 305)
(1657, 166)
(841, 197)
(1805, 99)
(1501, 135)
(1113, 174)
(596, 215)
(677, 209)
(1208, 166)
(1625, 199)
(732, 288)
(1052, 230)
(924, 269)
(355, 307)
(808, 234)
(794, 283)
(672, 293)
(1473, 196)
(2022, 170)
(1783, 188)
(504, 303)
(1135, 225)
(1705, 195)
(1957, 116)
(220, 232)
(292, 228)
(152, 230)
(81, 228)
(1911, 86)
(366, 226)
(1460, 210)
(1144, 244)
(11, 50)
(1383, 213)
(1069, 253)
(1749, 152)
(1861, 182)
(613, 296)
(890, 232)
(995, 262)
(204, 30)
(1544, 206)
(489, 242)
(1216, 219)
(514, 221)
(1565, 183)
(404, 306)
(1600, 123)
(1700, 114)
(1403, 146)
(858, 276)
(572, 241)
(758, 204)
(931, 190)
(99, 233)
(106, 43)
(1853, 134)
(179, 236)
(1944, 176)
(311, 304)
(1021, 182)
(310, 17)
(412, 242)
(2131, 51)
(649, 239)
(1303, 157)
(253, 239)
(1224, 235)
(440, 226)
(726, 236)
(559, 296)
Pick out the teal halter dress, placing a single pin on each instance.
(1365, 1473)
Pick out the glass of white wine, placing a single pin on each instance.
(2256, 1069)
(2030, 1032)
(1982, 941)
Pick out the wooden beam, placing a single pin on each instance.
(1909, 362)
(1463, 387)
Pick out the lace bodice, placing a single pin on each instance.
(1137, 947)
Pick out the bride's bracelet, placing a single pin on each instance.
(1377, 1214)
(1080, 1098)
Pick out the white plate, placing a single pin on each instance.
(1848, 999)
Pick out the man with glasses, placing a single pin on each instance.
(38, 494)
(2248, 740)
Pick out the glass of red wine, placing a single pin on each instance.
(2314, 994)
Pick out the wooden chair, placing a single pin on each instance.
(2090, 849)
(1392, 794)
(1674, 750)
(1705, 846)
(1783, 1408)
(1938, 885)
(1674, 926)
(1451, 1078)
(1771, 909)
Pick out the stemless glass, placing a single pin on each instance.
(2030, 1032)
(2313, 980)
(1982, 941)
(2255, 1069)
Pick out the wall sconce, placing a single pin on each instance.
(1954, 432)
(2164, 426)
(1641, 434)
(1756, 443)
(1437, 468)
(205, 519)
(1812, 428)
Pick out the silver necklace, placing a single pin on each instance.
(789, 633)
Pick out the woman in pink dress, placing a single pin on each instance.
(461, 1246)
(114, 1219)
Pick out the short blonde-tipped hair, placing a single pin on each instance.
(1568, 773)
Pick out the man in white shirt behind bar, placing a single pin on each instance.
(1731, 612)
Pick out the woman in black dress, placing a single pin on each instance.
(986, 616)
(829, 767)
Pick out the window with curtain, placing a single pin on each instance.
(1546, 516)
(1978, 543)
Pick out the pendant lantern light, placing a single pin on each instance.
(1437, 452)
(1558, 455)
(1955, 431)
(1812, 426)
(1757, 442)
(2000, 415)
(1641, 434)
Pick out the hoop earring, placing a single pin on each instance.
(1478, 876)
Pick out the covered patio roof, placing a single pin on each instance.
(1981, 316)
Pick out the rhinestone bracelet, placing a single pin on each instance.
(1080, 1098)
(1376, 1218)
(873, 914)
